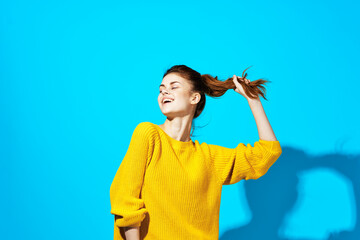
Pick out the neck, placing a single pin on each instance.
(177, 129)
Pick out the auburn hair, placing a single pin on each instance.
(206, 84)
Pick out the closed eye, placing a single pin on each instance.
(171, 88)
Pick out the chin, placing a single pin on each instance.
(169, 114)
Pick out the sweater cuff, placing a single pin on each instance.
(132, 219)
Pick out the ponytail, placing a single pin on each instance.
(216, 88)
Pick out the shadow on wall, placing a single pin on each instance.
(304, 197)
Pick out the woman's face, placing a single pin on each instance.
(182, 100)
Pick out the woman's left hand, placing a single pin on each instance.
(239, 88)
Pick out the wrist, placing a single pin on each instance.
(257, 99)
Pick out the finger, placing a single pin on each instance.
(236, 82)
(234, 77)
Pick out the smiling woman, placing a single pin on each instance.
(169, 186)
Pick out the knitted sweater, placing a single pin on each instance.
(171, 189)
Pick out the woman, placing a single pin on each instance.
(169, 186)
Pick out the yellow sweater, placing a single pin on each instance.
(172, 189)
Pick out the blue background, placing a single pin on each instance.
(77, 77)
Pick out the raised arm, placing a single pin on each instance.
(247, 161)
(263, 125)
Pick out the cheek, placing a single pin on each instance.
(184, 100)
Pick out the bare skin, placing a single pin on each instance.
(132, 233)
(179, 116)
(263, 125)
(180, 111)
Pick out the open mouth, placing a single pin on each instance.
(167, 101)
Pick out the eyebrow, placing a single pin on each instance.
(170, 83)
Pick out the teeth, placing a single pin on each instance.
(167, 100)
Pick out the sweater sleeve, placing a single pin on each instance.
(126, 203)
(244, 162)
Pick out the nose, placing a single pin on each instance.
(165, 91)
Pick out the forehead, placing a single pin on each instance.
(172, 79)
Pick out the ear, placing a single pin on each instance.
(195, 98)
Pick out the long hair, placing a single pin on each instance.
(208, 85)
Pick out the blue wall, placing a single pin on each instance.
(69, 72)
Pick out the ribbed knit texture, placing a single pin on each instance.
(172, 189)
